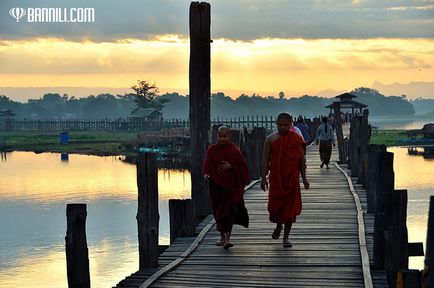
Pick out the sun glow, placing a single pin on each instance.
(267, 64)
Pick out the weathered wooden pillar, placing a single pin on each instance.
(235, 136)
(396, 236)
(364, 141)
(77, 255)
(373, 175)
(200, 87)
(147, 213)
(428, 280)
(354, 146)
(253, 149)
(182, 218)
(339, 133)
(214, 130)
(386, 178)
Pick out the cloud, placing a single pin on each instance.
(234, 19)
(259, 65)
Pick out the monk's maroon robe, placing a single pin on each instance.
(227, 187)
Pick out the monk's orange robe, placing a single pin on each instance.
(284, 198)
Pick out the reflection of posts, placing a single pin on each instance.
(77, 258)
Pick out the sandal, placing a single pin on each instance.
(228, 245)
(220, 243)
(287, 244)
(276, 233)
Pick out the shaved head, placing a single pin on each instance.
(224, 129)
(224, 135)
(284, 116)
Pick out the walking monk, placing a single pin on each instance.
(284, 158)
(226, 171)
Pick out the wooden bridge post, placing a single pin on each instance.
(372, 176)
(77, 255)
(386, 178)
(214, 130)
(355, 146)
(200, 87)
(252, 148)
(147, 213)
(364, 141)
(396, 236)
(182, 218)
(428, 280)
(339, 133)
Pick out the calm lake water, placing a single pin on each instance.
(400, 123)
(35, 188)
(34, 191)
(416, 174)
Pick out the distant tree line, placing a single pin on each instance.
(174, 105)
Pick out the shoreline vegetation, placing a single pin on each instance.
(110, 143)
(87, 143)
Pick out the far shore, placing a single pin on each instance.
(110, 143)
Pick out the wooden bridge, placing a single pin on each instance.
(329, 243)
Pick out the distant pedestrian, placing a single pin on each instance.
(325, 139)
(304, 128)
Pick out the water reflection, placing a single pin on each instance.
(34, 191)
(399, 123)
(416, 175)
(3, 156)
(427, 152)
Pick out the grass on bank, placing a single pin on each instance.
(388, 137)
(95, 143)
(109, 143)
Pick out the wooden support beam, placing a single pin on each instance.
(428, 279)
(200, 87)
(373, 175)
(147, 212)
(396, 236)
(77, 255)
(386, 179)
(339, 134)
(182, 218)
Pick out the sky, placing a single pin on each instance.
(259, 46)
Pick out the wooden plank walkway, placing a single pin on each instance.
(326, 251)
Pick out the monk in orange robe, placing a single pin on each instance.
(284, 158)
(226, 171)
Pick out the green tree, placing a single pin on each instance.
(146, 96)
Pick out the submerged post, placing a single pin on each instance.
(147, 211)
(182, 219)
(77, 255)
(200, 87)
(428, 279)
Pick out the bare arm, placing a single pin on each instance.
(266, 163)
(302, 167)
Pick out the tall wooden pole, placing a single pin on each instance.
(339, 133)
(200, 87)
(147, 212)
(428, 280)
